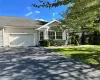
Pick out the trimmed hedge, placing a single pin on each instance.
(44, 43)
(57, 42)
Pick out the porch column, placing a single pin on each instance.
(46, 34)
(55, 35)
(67, 38)
(64, 35)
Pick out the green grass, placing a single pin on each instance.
(86, 54)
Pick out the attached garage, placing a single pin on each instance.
(16, 31)
(22, 40)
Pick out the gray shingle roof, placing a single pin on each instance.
(20, 22)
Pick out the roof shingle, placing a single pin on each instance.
(20, 22)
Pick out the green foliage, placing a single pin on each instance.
(96, 38)
(57, 42)
(49, 4)
(83, 13)
(44, 43)
(91, 38)
(47, 43)
(75, 39)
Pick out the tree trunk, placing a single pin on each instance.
(96, 38)
(83, 38)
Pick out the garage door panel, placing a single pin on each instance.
(21, 40)
(16, 41)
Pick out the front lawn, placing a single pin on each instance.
(86, 54)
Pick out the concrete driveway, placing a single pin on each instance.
(42, 64)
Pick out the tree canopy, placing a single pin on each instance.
(48, 4)
(83, 13)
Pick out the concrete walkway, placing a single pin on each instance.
(42, 64)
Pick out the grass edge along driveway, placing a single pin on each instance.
(87, 54)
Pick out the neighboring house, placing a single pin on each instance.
(27, 32)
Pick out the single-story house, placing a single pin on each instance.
(27, 32)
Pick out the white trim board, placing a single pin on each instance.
(48, 24)
(21, 33)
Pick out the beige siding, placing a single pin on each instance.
(8, 31)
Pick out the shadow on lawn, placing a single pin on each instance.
(42, 64)
(83, 55)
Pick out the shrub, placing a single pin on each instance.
(57, 42)
(75, 39)
(44, 43)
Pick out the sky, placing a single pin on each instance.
(23, 8)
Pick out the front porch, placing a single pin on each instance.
(50, 31)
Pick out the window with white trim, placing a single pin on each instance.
(51, 34)
(58, 35)
(41, 36)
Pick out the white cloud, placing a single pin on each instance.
(37, 12)
(54, 14)
(29, 8)
(28, 14)
(30, 11)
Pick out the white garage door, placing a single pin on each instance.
(22, 40)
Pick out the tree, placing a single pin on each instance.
(84, 16)
(48, 4)
(83, 13)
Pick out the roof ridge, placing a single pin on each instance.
(18, 17)
(22, 18)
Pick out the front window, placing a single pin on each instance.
(51, 35)
(41, 36)
(58, 35)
